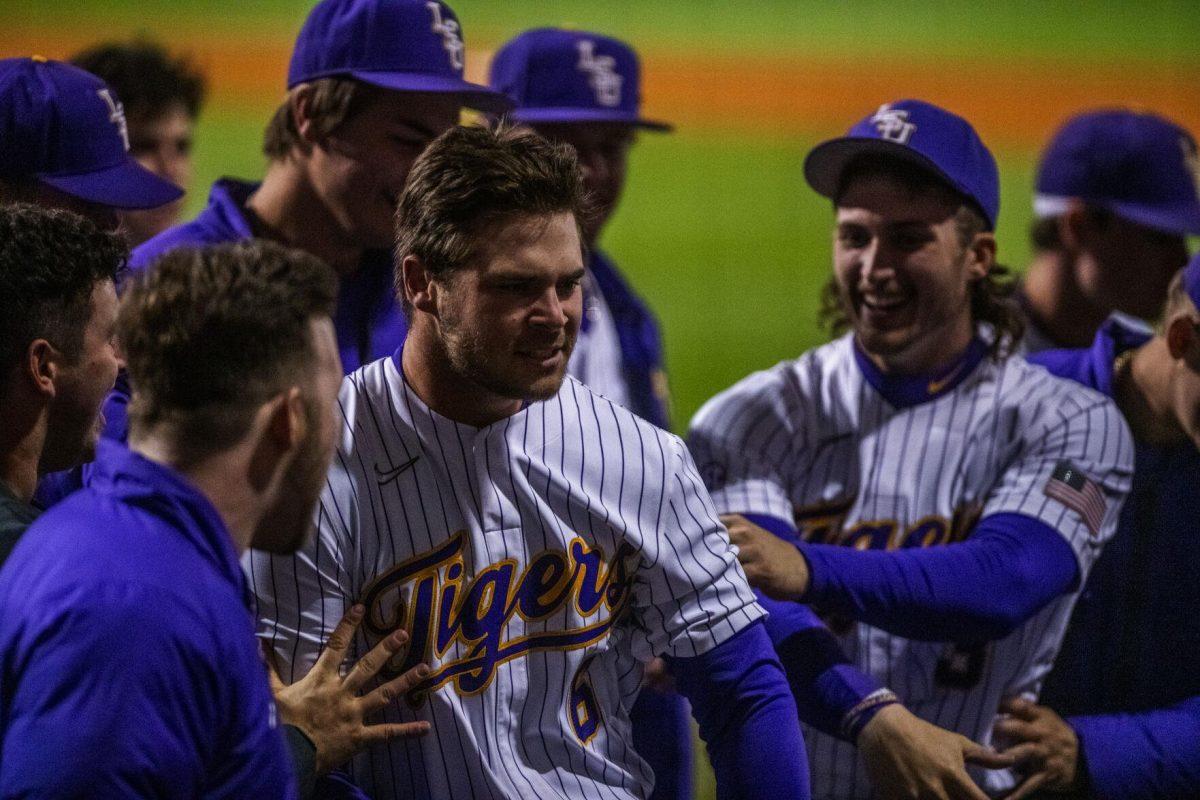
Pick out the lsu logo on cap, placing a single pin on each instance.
(893, 124)
(449, 31)
(116, 114)
(602, 76)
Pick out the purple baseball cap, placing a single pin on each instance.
(1138, 166)
(402, 45)
(64, 127)
(919, 133)
(558, 75)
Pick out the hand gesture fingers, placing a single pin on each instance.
(334, 654)
(369, 665)
(382, 695)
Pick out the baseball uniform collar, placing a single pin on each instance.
(905, 391)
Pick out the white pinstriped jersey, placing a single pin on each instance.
(536, 562)
(812, 441)
(596, 360)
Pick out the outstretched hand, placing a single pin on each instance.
(908, 757)
(327, 707)
(1044, 745)
(772, 565)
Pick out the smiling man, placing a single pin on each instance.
(936, 500)
(371, 83)
(539, 542)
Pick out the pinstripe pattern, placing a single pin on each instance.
(596, 360)
(575, 471)
(810, 440)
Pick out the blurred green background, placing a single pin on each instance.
(717, 228)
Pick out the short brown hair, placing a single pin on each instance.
(471, 178)
(991, 297)
(334, 100)
(211, 333)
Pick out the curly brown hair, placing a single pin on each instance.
(991, 297)
(211, 333)
(50, 263)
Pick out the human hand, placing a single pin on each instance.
(771, 564)
(907, 757)
(327, 707)
(1044, 745)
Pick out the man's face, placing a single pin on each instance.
(902, 273)
(1124, 266)
(163, 145)
(81, 385)
(508, 321)
(359, 170)
(287, 526)
(603, 152)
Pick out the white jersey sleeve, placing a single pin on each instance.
(744, 439)
(1072, 472)
(301, 598)
(690, 592)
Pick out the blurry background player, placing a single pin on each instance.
(1116, 197)
(584, 89)
(370, 83)
(162, 95)
(939, 501)
(1126, 677)
(64, 144)
(58, 312)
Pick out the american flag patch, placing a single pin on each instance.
(1074, 490)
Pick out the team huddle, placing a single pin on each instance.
(359, 484)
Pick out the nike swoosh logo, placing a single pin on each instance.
(937, 386)
(389, 475)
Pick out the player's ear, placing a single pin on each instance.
(1181, 336)
(286, 421)
(300, 101)
(981, 254)
(1073, 226)
(41, 366)
(420, 289)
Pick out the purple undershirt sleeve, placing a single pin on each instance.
(747, 718)
(1145, 755)
(976, 591)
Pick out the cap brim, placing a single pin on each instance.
(1182, 220)
(126, 185)
(825, 163)
(473, 95)
(567, 115)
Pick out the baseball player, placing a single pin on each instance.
(126, 645)
(584, 89)
(370, 83)
(1117, 195)
(161, 95)
(58, 304)
(938, 501)
(1125, 679)
(64, 144)
(539, 542)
